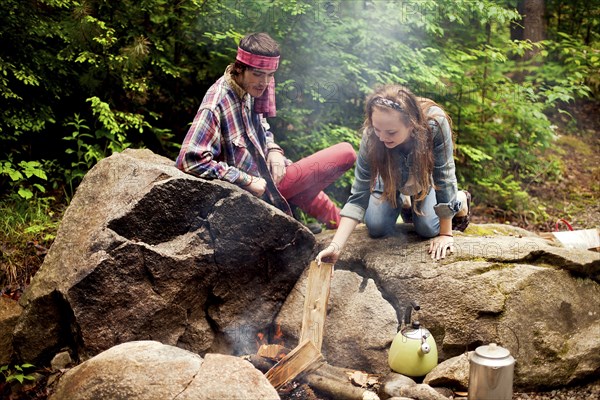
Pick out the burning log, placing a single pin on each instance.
(304, 358)
(315, 303)
(307, 355)
(267, 356)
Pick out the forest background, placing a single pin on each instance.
(80, 80)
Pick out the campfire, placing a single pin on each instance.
(270, 337)
(285, 368)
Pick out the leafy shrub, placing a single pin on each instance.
(17, 373)
(132, 75)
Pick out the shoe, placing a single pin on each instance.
(461, 223)
(406, 214)
(314, 227)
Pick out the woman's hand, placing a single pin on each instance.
(439, 245)
(329, 254)
(276, 164)
(257, 187)
(332, 252)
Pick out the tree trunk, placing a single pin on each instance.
(534, 20)
(533, 25)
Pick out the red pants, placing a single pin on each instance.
(305, 180)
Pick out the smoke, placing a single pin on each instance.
(334, 52)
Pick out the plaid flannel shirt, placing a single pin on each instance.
(227, 139)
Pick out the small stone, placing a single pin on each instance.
(368, 395)
(61, 361)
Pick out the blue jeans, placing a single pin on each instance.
(381, 217)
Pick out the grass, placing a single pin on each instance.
(27, 229)
(575, 144)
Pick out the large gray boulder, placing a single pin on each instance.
(502, 285)
(145, 251)
(148, 370)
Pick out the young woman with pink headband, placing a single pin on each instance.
(230, 139)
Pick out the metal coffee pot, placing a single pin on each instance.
(413, 351)
(491, 371)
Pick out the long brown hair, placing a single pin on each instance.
(386, 162)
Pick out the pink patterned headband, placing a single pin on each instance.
(264, 104)
(256, 61)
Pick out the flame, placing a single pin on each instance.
(261, 340)
(278, 336)
(271, 343)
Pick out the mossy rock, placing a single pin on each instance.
(497, 230)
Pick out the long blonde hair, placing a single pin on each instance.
(385, 162)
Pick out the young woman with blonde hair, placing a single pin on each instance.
(405, 157)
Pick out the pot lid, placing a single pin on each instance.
(492, 351)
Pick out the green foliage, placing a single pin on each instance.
(571, 66)
(26, 227)
(109, 138)
(86, 151)
(21, 176)
(17, 373)
(499, 106)
(131, 74)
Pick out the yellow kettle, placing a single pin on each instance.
(413, 351)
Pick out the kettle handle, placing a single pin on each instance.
(408, 312)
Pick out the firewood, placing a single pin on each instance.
(304, 358)
(260, 363)
(272, 351)
(315, 303)
(333, 382)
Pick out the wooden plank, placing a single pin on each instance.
(580, 239)
(305, 357)
(315, 303)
